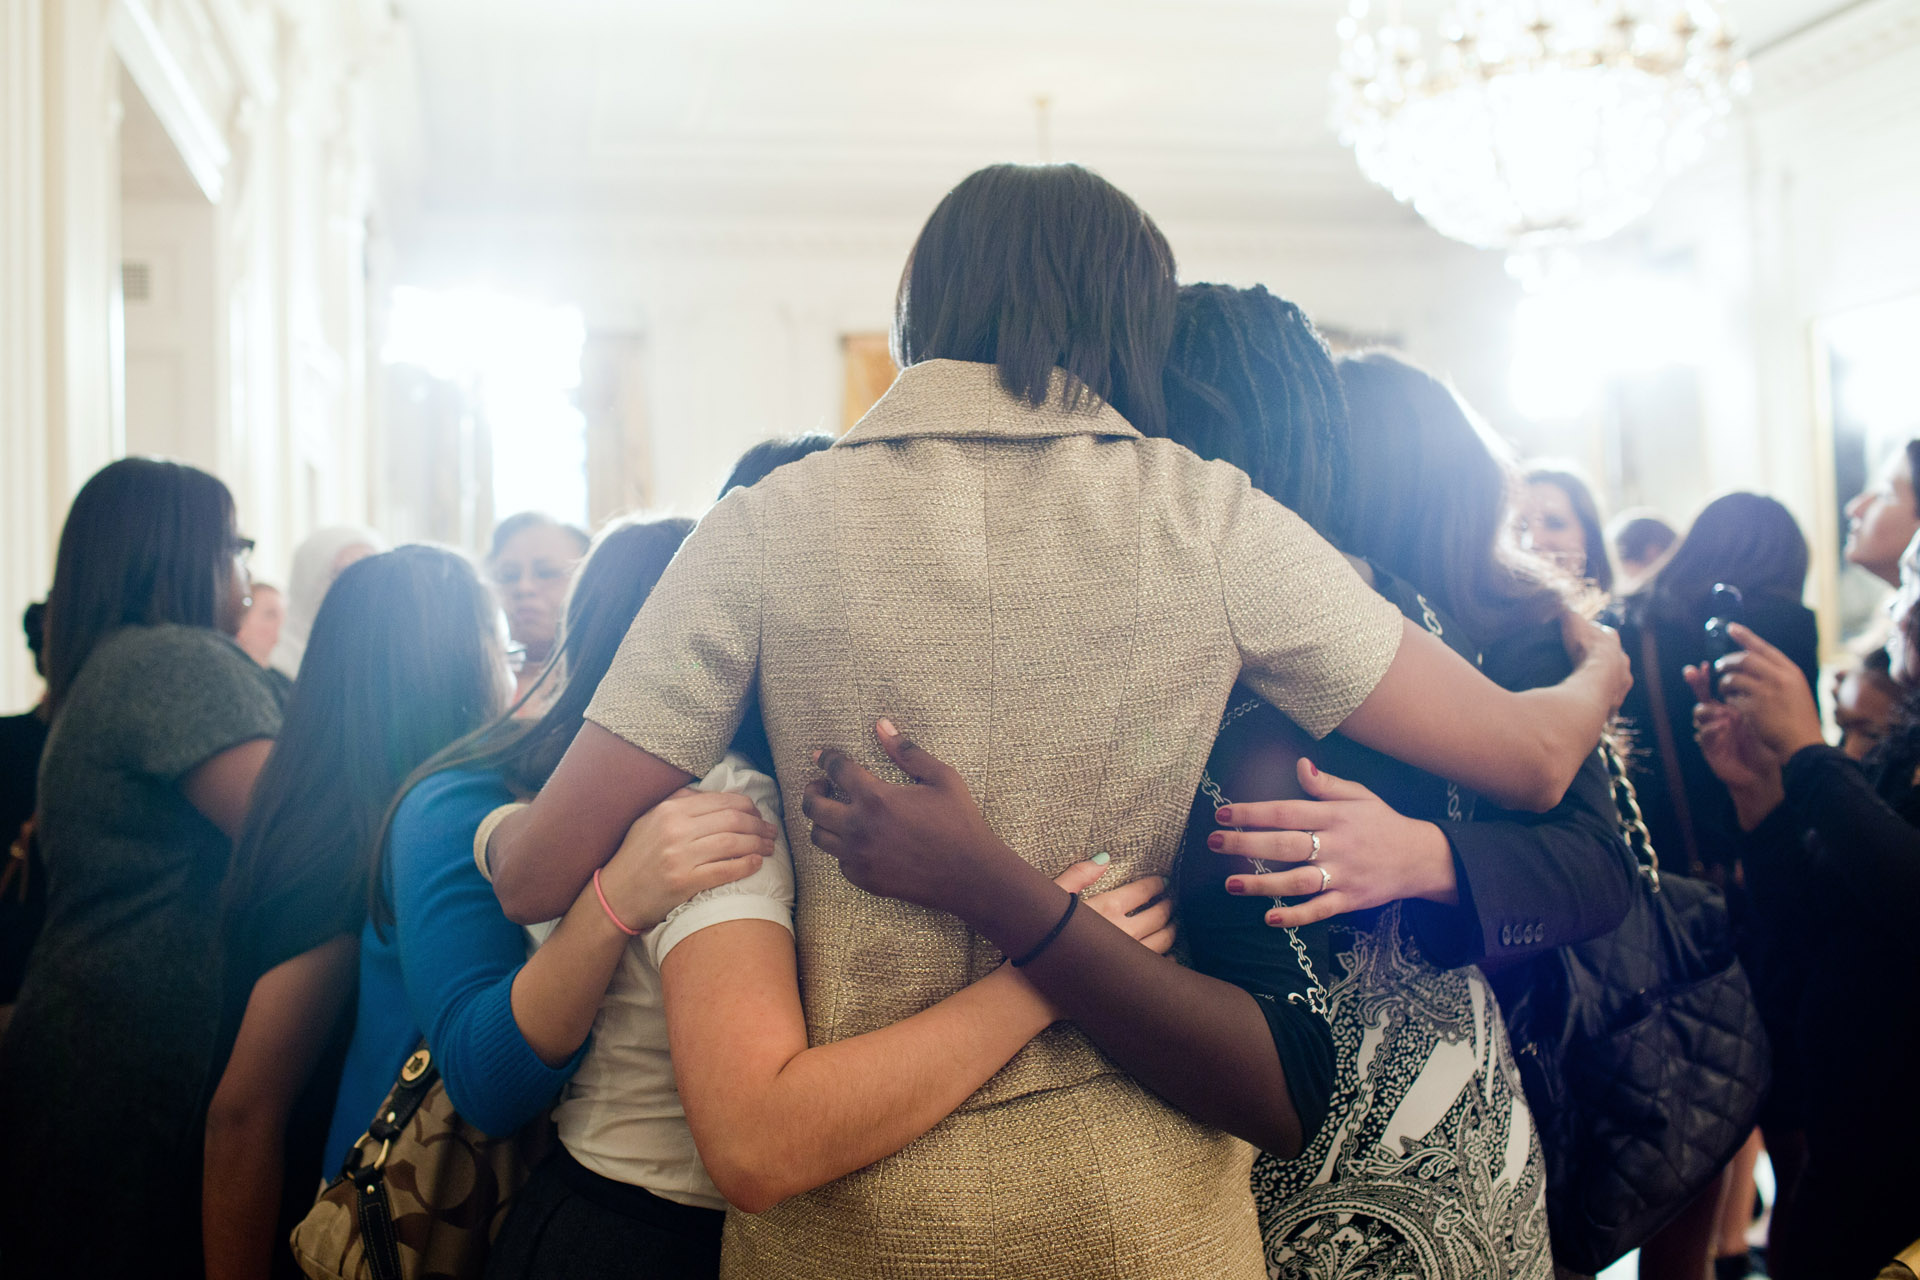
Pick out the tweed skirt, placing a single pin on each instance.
(1099, 1180)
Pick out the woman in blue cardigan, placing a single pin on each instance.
(439, 961)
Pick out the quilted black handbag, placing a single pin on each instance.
(1643, 1058)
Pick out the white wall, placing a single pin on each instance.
(257, 368)
(1816, 212)
(741, 321)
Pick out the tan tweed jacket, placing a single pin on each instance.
(1057, 606)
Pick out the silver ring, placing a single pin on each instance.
(1325, 879)
(1313, 846)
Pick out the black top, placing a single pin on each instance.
(102, 1069)
(289, 920)
(1782, 622)
(1528, 882)
(1835, 872)
(23, 899)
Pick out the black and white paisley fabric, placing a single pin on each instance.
(1428, 1166)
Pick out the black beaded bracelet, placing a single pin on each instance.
(1073, 904)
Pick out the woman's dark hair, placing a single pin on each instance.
(402, 660)
(1640, 539)
(513, 526)
(146, 542)
(1431, 497)
(1746, 539)
(767, 457)
(620, 572)
(1877, 666)
(1038, 267)
(1249, 381)
(1586, 510)
(34, 623)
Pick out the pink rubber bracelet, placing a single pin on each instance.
(618, 923)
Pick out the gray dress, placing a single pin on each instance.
(103, 1068)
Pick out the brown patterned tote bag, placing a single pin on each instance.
(422, 1194)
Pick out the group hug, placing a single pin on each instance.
(1096, 818)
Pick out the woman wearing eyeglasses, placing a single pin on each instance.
(531, 564)
(160, 725)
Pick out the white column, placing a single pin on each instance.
(85, 422)
(26, 548)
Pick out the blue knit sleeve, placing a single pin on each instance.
(459, 955)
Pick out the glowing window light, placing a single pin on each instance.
(1569, 340)
(519, 360)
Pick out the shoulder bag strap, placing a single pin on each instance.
(371, 1206)
(1669, 754)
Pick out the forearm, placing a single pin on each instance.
(828, 1111)
(1864, 844)
(1566, 722)
(542, 856)
(557, 993)
(1200, 1043)
(1752, 803)
(240, 1195)
(1435, 711)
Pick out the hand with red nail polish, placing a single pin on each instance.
(1343, 849)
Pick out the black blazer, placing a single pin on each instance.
(1835, 875)
(1530, 882)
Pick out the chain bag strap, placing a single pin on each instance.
(1315, 997)
(1459, 809)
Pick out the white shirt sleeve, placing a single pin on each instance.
(767, 894)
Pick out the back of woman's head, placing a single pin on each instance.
(1640, 537)
(404, 659)
(146, 542)
(763, 459)
(1429, 498)
(1038, 267)
(1746, 539)
(1249, 381)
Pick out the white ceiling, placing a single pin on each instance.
(741, 108)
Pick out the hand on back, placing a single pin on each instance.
(1595, 649)
(1343, 849)
(690, 842)
(928, 842)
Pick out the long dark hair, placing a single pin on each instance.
(1430, 498)
(1568, 481)
(1038, 267)
(403, 659)
(146, 542)
(1249, 381)
(763, 459)
(619, 573)
(1746, 539)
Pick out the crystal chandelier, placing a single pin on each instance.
(1533, 123)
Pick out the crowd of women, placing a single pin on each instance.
(811, 874)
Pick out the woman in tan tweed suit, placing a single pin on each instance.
(1003, 552)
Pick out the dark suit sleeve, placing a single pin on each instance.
(1532, 882)
(1867, 855)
